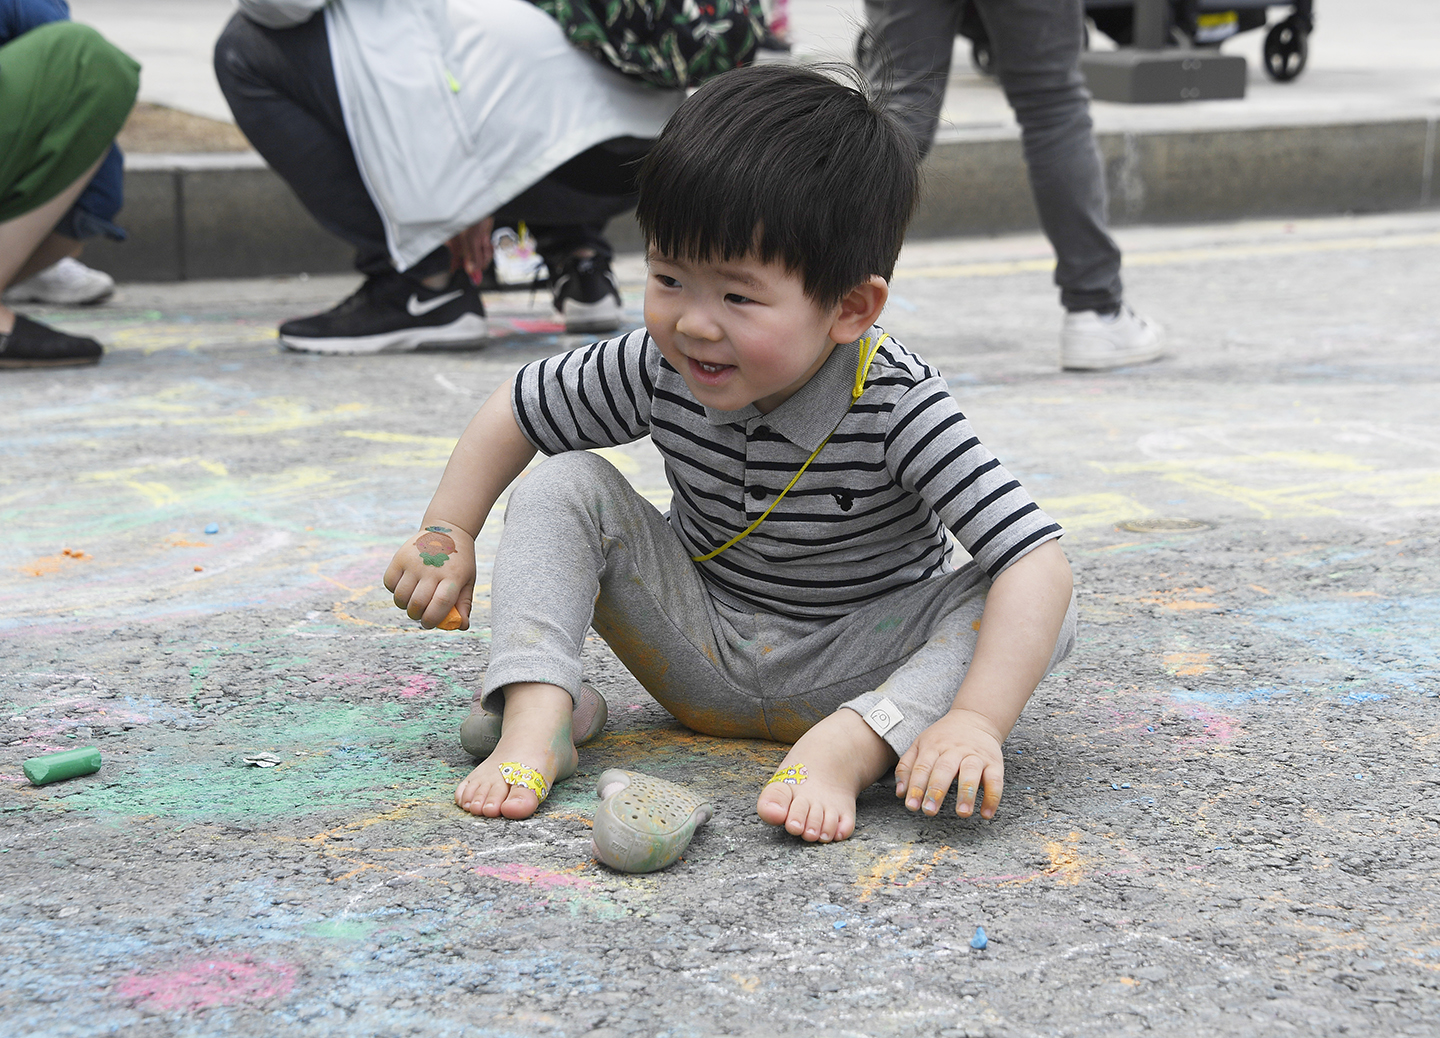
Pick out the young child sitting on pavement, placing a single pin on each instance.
(799, 588)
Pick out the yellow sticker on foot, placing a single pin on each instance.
(519, 775)
(793, 776)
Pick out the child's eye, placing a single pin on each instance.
(667, 281)
(735, 298)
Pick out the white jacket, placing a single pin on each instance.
(454, 107)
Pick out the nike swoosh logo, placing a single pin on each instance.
(415, 308)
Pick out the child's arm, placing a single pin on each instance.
(435, 570)
(1023, 615)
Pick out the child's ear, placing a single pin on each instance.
(859, 309)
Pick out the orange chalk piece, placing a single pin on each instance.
(199, 569)
(451, 622)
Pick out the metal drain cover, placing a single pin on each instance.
(1162, 524)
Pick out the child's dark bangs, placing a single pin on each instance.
(709, 188)
(786, 165)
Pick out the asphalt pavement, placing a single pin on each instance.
(1221, 812)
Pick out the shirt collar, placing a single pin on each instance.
(815, 409)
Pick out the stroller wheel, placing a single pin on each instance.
(1286, 48)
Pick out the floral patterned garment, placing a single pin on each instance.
(667, 43)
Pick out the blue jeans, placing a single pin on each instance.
(1036, 46)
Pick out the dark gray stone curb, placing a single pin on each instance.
(229, 216)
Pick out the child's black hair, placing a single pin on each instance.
(788, 164)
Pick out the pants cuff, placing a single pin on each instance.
(521, 668)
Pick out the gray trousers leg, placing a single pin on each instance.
(581, 547)
(1036, 45)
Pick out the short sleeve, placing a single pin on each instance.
(595, 396)
(933, 451)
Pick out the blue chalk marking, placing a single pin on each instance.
(213, 528)
(1359, 776)
(979, 941)
(839, 924)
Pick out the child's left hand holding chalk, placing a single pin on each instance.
(430, 569)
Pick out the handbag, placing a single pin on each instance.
(667, 43)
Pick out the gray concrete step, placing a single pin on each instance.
(228, 215)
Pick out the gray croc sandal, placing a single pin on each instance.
(481, 730)
(643, 824)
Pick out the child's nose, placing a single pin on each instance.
(696, 323)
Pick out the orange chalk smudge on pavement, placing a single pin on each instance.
(1188, 664)
(1065, 860)
(48, 564)
(533, 876)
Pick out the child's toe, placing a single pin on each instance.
(521, 803)
(815, 821)
(773, 806)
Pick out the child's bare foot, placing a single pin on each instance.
(840, 756)
(536, 735)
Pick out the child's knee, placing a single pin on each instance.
(573, 478)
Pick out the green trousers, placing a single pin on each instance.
(64, 94)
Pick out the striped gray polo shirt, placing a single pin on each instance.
(868, 515)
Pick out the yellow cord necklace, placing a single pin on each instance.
(862, 372)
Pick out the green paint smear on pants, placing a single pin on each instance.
(352, 757)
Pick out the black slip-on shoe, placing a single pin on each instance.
(390, 313)
(31, 344)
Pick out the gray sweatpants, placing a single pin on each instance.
(581, 547)
(1036, 45)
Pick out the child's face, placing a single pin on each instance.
(739, 332)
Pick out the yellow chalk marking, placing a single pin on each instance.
(1200, 254)
(1088, 511)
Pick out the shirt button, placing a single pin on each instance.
(762, 430)
(758, 493)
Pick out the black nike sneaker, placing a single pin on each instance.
(390, 313)
(586, 295)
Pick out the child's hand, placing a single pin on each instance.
(963, 744)
(433, 572)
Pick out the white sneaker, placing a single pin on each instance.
(68, 282)
(1091, 341)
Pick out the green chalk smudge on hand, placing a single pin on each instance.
(55, 767)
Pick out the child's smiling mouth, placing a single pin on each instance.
(709, 374)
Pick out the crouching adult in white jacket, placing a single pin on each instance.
(404, 125)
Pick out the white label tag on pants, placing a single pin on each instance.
(883, 716)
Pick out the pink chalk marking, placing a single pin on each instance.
(1218, 727)
(412, 686)
(205, 985)
(534, 877)
(536, 326)
(417, 685)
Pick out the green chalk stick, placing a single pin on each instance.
(54, 767)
